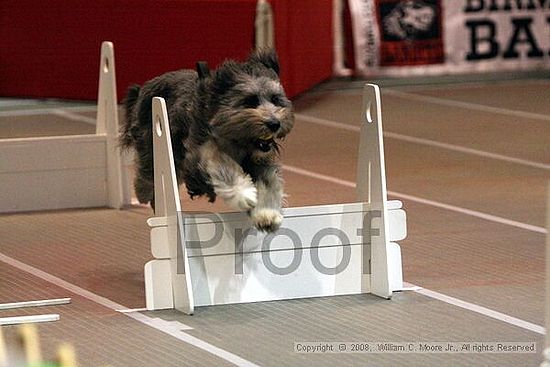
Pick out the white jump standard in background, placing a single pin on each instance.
(326, 250)
(73, 171)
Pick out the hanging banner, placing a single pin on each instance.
(415, 37)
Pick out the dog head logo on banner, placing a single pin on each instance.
(410, 20)
(410, 32)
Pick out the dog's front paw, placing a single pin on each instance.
(266, 219)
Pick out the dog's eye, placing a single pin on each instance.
(277, 100)
(251, 102)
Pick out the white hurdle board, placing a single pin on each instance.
(76, 171)
(326, 250)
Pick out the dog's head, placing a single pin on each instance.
(249, 107)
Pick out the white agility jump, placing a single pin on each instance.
(327, 250)
(76, 171)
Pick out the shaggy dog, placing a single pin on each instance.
(226, 127)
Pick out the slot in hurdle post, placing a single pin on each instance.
(203, 260)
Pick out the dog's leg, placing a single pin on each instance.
(229, 180)
(267, 213)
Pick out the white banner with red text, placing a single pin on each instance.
(430, 37)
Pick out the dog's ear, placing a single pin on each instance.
(203, 70)
(225, 77)
(267, 57)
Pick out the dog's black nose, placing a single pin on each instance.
(273, 124)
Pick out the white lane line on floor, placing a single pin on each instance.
(187, 338)
(356, 88)
(479, 309)
(466, 105)
(327, 123)
(319, 176)
(46, 111)
(473, 213)
(15, 102)
(458, 148)
(428, 142)
(74, 116)
(144, 319)
(128, 310)
(451, 85)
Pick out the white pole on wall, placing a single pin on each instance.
(339, 67)
(265, 34)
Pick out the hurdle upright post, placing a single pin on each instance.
(168, 209)
(118, 193)
(371, 189)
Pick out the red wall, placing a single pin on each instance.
(303, 39)
(50, 48)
